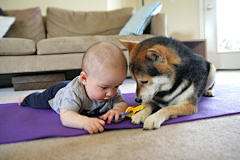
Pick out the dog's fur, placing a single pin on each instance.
(169, 77)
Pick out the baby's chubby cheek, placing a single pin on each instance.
(97, 96)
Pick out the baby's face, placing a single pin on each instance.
(102, 88)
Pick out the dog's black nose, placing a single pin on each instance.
(138, 100)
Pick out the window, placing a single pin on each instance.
(228, 26)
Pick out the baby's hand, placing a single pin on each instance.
(110, 114)
(93, 125)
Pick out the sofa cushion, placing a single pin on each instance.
(62, 22)
(36, 63)
(21, 46)
(28, 24)
(79, 44)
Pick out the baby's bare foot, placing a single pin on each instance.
(20, 99)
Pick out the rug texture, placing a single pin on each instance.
(19, 124)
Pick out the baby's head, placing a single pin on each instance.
(103, 58)
(104, 69)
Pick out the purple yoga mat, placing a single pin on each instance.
(24, 123)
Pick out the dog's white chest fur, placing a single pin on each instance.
(177, 91)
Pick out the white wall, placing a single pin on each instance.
(83, 5)
(182, 18)
(114, 4)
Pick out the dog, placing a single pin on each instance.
(170, 79)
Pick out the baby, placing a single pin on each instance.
(95, 91)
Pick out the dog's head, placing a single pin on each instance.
(151, 66)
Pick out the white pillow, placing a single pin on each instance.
(139, 21)
(5, 24)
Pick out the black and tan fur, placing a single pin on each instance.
(169, 77)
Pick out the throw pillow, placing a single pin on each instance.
(28, 24)
(141, 19)
(5, 24)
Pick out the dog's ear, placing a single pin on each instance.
(157, 54)
(128, 44)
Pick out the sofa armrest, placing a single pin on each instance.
(159, 25)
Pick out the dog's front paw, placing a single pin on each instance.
(153, 122)
(139, 117)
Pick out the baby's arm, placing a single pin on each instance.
(74, 120)
(118, 109)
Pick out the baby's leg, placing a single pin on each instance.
(35, 100)
(40, 100)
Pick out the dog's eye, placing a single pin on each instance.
(144, 82)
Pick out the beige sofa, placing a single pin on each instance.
(58, 41)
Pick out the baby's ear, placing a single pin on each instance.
(83, 77)
(128, 44)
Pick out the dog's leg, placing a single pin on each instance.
(155, 120)
(209, 92)
(210, 82)
(143, 114)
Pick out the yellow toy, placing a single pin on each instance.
(130, 111)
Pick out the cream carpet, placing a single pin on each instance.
(216, 138)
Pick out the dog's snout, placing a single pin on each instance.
(138, 100)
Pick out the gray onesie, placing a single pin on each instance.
(73, 97)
